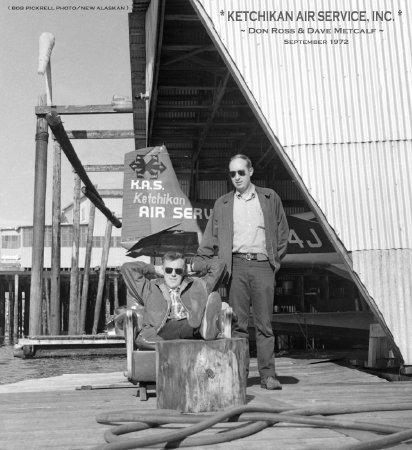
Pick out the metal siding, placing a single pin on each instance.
(343, 114)
(387, 274)
(324, 93)
(364, 190)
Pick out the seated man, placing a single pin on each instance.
(176, 306)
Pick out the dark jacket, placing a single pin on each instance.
(154, 296)
(218, 236)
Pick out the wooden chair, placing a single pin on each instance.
(141, 364)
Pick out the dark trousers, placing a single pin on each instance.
(178, 329)
(253, 282)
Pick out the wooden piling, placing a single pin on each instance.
(40, 178)
(16, 308)
(102, 275)
(47, 307)
(107, 299)
(26, 311)
(56, 244)
(85, 290)
(74, 275)
(116, 291)
(11, 310)
(2, 310)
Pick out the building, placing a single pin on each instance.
(331, 116)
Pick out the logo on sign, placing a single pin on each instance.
(147, 167)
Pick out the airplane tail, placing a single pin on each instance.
(157, 215)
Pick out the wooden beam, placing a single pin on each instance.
(152, 104)
(99, 203)
(80, 109)
(165, 105)
(90, 191)
(181, 47)
(104, 168)
(220, 92)
(193, 87)
(137, 47)
(270, 151)
(114, 193)
(211, 68)
(173, 124)
(207, 48)
(182, 17)
(102, 134)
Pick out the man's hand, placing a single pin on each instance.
(159, 271)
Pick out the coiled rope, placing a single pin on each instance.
(257, 417)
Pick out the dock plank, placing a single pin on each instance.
(51, 414)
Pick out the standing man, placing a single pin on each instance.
(248, 230)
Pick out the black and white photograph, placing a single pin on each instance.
(206, 224)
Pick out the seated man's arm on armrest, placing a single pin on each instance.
(135, 277)
(212, 270)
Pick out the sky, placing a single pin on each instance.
(89, 63)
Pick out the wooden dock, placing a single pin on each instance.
(52, 414)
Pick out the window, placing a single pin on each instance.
(10, 241)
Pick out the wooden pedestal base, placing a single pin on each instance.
(197, 375)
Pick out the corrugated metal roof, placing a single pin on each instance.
(323, 93)
(343, 114)
(387, 275)
(364, 190)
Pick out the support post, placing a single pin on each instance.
(26, 320)
(16, 308)
(102, 275)
(11, 310)
(85, 290)
(46, 307)
(74, 275)
(2, 311)
(40, 177)
(116, 291)
(56, 245)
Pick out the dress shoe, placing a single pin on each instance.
(271, 383)
(210, 326)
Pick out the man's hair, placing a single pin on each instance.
(244, 157)
(172, 256)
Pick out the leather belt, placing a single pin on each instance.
(251, 256)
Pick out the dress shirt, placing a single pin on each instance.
(248, 223)
(177, 309)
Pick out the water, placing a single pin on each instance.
(17, 369)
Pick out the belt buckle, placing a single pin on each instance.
(248, 257)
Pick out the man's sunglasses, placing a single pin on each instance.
(169, 270)
(241, 173)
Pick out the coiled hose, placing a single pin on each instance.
(257, 417)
